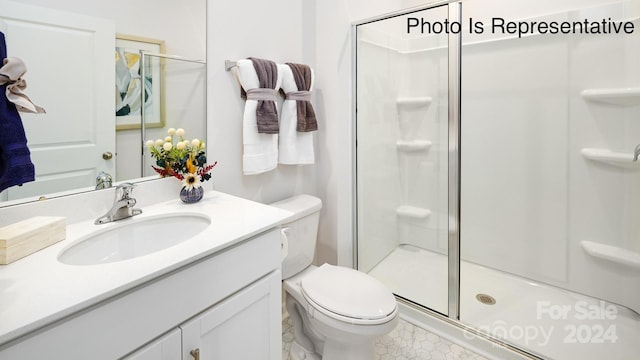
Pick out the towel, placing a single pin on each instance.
(303, 75)
(296, 147)
(265, 94)
(16, 167)
(11, 74)
(260, 150)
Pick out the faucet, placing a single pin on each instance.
(636, 153)
(123, 205)
(103, 180)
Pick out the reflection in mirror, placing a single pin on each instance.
(68, 47)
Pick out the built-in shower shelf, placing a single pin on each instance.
(612, 253)
(414, 102)
(413, 212)
(413, 145)
(624, 160)
(622, 96)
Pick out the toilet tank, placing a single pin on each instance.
(299, 232)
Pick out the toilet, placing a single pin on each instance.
(337, 313)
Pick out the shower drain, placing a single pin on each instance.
(486, 299)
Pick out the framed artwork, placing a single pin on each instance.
(130, 86)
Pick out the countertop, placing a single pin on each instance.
(38, 290)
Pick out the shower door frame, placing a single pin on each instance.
(454, 109)
(454, 161)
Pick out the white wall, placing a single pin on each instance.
(282, 31)
(156, 19)
(182, 26)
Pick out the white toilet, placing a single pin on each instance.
(337, 313)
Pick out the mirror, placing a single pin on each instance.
(68, 47)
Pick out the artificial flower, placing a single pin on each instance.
(186, 160)
(191, 181)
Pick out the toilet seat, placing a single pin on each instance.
(348, 295)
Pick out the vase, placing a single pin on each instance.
(191, 196)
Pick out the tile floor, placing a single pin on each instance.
(405, 342)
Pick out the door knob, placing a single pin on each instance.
(107, 155)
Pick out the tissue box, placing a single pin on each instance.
(28, 236)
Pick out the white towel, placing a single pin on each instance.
(295, 148)
(260, 151)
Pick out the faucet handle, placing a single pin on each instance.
(123, 191)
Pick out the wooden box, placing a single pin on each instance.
(28, 236)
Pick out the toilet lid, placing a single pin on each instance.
(348, 292)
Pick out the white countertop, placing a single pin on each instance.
(38, 289)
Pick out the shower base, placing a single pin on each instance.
(550, 322)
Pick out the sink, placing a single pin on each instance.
(132, 238)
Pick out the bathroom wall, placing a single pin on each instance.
(154, 19)
(314, 32)
(283, 31)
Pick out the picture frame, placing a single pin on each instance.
(129, 87)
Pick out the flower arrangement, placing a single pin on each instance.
(184, 160)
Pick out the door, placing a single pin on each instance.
(68, 142)
(402, 156)
(247, 325)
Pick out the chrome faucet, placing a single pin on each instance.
(636, 153)
(123, 206)
(103, 180)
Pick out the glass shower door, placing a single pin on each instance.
(402, 150)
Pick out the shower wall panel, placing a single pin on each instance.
(424, 172)
(378, 173)
(530, 196)
(515, 156)
(603, 198)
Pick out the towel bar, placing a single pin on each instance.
(228, 64)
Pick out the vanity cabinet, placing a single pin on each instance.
(167, 347)
(226, 304)
(244, 326)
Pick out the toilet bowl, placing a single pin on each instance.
(336, 312)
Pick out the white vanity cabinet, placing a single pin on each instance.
(167, 347)
(226, 304)
(244, 326)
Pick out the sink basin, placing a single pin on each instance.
(132, 238)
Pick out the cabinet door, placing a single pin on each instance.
(167, 347)
(247, 325)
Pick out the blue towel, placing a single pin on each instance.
(16, 167)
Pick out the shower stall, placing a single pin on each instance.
(496, 186)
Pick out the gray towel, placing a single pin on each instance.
(306, 114)
(266, 111)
